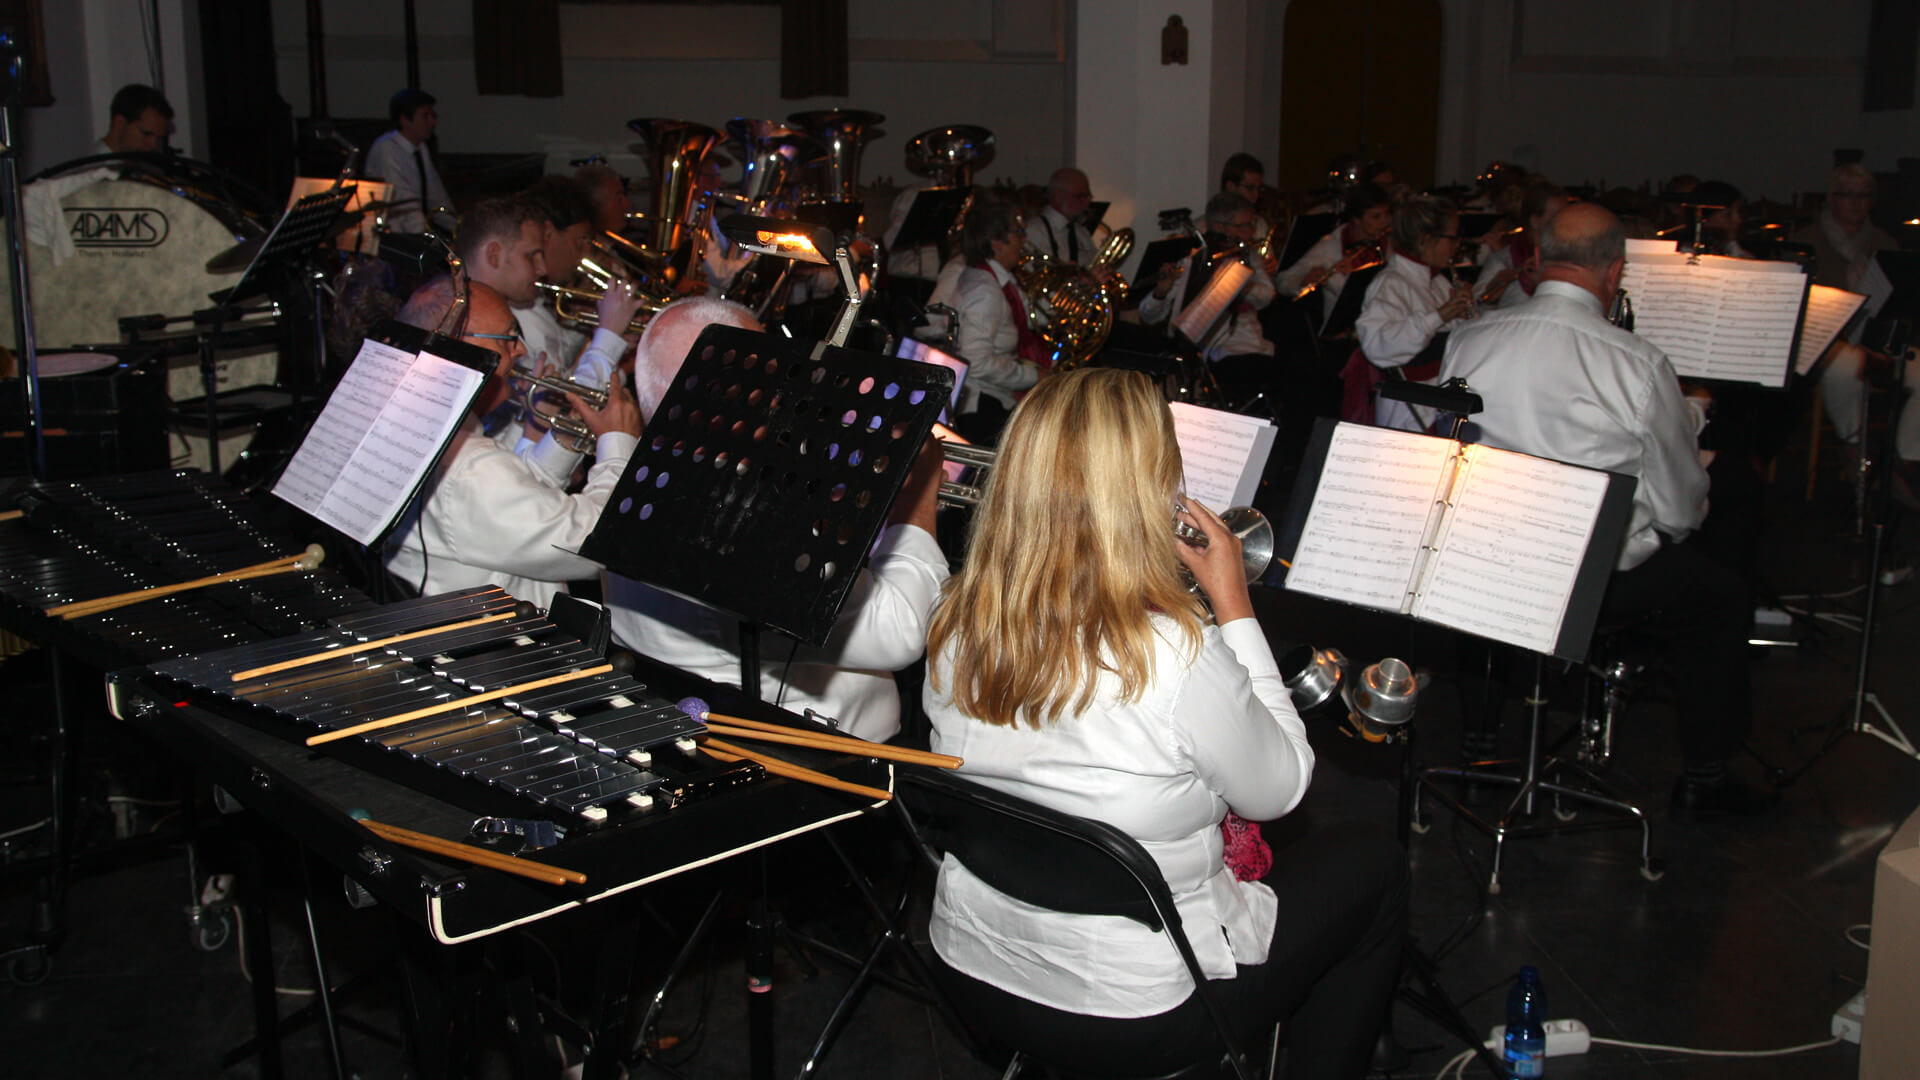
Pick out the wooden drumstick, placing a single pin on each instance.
(306, 560)
(349, 650)
(733, 728)
(12, 515)
(727, 751)
(456, 703)
(478, 856)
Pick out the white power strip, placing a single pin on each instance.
(1848, 1018)
(1564, 1038)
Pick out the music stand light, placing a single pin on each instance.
(802, 242)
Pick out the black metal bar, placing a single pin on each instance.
(26, 348)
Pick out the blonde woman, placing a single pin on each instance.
(1069, 665)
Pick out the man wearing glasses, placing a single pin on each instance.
(487, 517)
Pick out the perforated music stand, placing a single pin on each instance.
(765, 475)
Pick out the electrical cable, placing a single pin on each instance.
(240, 942)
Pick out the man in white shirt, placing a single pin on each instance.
(400, 157)
(1057, 231)
(882, 626)
(486, 518)
(1237, 348)
(1559, 381)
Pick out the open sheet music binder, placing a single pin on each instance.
(384, 428)
(764, 476)
(1491, 542)
(1719, 318)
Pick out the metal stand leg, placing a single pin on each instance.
(322, 988)
(1539, 771)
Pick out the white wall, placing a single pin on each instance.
(1756, 92)
(94, 47)
(924, 63)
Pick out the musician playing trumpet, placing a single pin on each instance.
(1080, 674)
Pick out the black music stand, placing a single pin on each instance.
(931, 219)
(305, 225)
(765, 476)
(1306, 231)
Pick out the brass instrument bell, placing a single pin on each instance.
(948, 155)
(846, 133)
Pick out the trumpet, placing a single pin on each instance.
(568, 429)
(1249, 525)
(578, 306)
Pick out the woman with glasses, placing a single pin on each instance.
(1409, 306)
(1004, 356)
(1070, 666)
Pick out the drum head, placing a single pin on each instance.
(140, 250)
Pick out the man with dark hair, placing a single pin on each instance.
(499, 240)
(487, 518)
(1244, 176)
(400, 158)
(139, 122)
(1559, 381)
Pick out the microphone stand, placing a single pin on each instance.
(27, 349)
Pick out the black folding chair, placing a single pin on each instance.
(1065, 863)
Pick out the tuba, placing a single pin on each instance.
(845, 132)
(772, 155)
(675, 150)
(948, 155)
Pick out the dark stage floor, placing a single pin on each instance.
(1741, 946)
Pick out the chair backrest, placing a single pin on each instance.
(1052, 860)
(1035, 854)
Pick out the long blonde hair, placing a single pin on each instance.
(1070, 555)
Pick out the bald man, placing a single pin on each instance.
(1559, 381)
(883, 625)
(486, 517)
(1057, 230)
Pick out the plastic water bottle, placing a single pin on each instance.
(1526, 1046)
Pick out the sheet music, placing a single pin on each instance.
(1829, 310)
(379, 434)
(1718, 318)
(1507, 558)
(1361, 541)
(1221, 289)
(1223, 453)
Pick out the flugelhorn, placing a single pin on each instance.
(1249, 525)
(568, 429)
(579, 307)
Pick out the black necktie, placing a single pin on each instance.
(420, 162)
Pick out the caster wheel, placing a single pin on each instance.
(1565, 815)
(29, 968)
(1653, 870)
(213, 933)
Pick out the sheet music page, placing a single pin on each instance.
(1362, 537)
(1829, 310)
(1637, 248)
(389, 464)
(343, 424)
(1719, 318)
(1223, 453)
(1221, 288)
(1879, 288)
(1508, 556)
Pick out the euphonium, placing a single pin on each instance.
(578, 307)
(568, 429)
(1250, 525)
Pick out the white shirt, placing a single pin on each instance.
(1326, 251)
(1209, 733)
(1054, 242)
(1496, 264)
(1559, 381)
(391, 158)
(487, 519)
(988, 338)
(1399, 317)
(882, 628)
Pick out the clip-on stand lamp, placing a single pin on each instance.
(803, 242)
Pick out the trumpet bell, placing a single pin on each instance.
(950, 154)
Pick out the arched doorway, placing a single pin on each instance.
(1360, 77)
